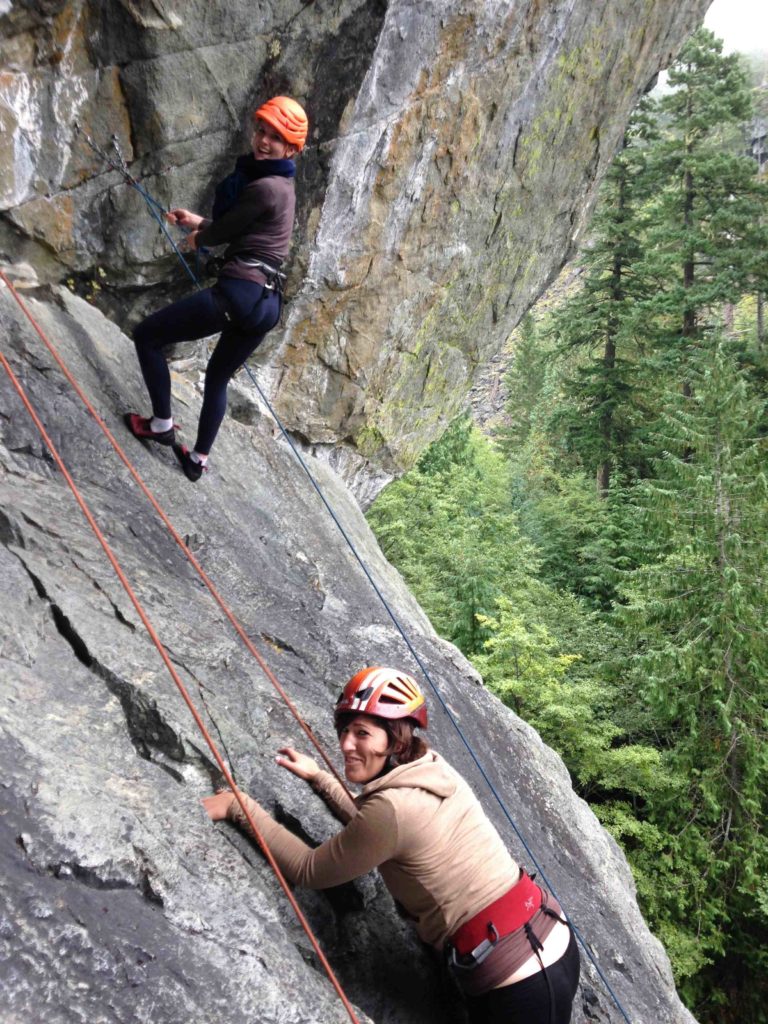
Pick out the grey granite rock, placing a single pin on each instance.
(119, 901)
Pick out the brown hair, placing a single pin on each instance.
(404, 745)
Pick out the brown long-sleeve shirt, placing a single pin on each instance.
(258, 226)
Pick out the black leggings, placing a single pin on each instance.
(528, 1001)
(255, 310)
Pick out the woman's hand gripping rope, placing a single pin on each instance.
(186, 219)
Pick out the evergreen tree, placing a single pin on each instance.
(523, 382)
(706, 240)
(450, 529)
(599, 421)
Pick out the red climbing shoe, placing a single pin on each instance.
(192, 470)
(140, 427)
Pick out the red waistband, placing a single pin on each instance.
(502, 917)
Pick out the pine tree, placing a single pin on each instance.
(450, 529)
(599, 421)
(523, 383)
(706, 241)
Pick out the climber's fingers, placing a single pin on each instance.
(297, 763)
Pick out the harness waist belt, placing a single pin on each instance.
(252, 261)
(502, 917)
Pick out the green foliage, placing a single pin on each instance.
(707, 235)
(523, 663)
(697, 615)
(449, 528)
(604, 399)
(523, 382)
(667, 877)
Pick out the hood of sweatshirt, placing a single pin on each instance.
(429, 772)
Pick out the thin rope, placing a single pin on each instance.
(176, 536)
(180, 685)
(155, 207)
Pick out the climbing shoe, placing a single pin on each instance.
(192, 470)
(140, 427)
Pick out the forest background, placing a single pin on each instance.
(601, 557)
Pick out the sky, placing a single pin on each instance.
(741, 24)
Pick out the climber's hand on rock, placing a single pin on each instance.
(217, 806)
(297, 763)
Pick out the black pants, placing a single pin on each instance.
(255, 310)
(529, 1001)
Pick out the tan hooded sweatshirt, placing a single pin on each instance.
(421, 826)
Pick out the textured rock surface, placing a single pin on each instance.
(119, 901)
(455, 151)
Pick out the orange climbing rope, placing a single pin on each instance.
(175, 534)
(179, 683)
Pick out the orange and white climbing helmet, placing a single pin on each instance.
(287, 117)
(385, 692)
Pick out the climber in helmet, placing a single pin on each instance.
(253, 213)
(507, 943)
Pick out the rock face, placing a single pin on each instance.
(119, 901)
(455, 152)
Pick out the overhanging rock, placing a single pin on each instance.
(455, 152)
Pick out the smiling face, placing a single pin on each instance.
(365, 746)
(268, 144)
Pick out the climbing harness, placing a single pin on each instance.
(514, 912)
(223, 768)
(275, 278)
(477, 937)
(151, 204)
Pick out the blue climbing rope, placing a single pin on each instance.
(156, 209)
